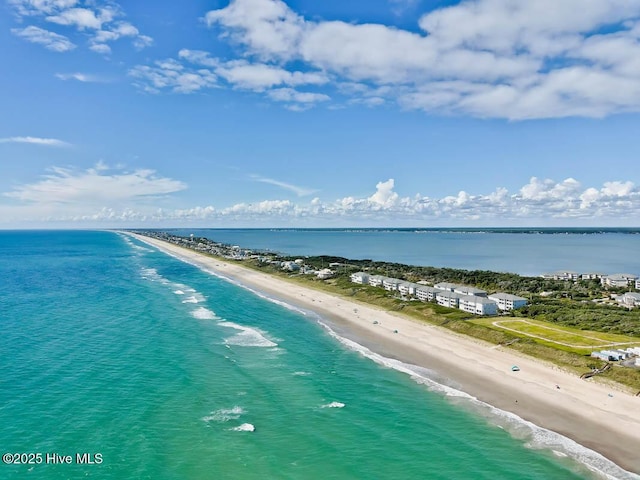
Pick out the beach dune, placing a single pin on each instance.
(593, 414)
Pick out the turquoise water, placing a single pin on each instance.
(112, 347)
(522, 251)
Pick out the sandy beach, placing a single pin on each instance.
(593, 414)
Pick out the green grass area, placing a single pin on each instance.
(565, 338)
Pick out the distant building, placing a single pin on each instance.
(561, 275)
(619, 280)
(630, 299)
(360, 277)
(591, 276)
(464, 290)
(426, 294)
(637, 284)
(448, 299)
(450, 287)
(376, 280)
(407, 288)
(290, 266)
(391, 284)
(478, 305)
(506, 301)
(325, 273)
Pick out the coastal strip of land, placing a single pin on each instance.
(595, 415)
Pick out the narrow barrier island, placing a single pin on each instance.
(563, 322)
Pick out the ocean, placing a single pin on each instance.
(150, 368)
(525, 251)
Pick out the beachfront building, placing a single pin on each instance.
(391, 284)
(376, 280)
(630, 299)
(619, 280)
(426, 294)
(407, 288)
(478, 305)
(507, 302)
(464, 290)
(448, 299)
(449, 287)
(325, 273)
(638, 284)
(360, 277)
(290, 266)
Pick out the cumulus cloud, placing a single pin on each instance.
(101, 20)
(206, 71)
(487, 58)
(48, 142)
(115, 197)
(49, 40)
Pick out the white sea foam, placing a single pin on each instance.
(178, 292)
(195, 298)
(245, 427)
(301, 374)
(536, 437)
(202, 313)
(248, 337)
(333, 405)
(224, 415)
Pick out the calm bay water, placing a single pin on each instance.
(612, 251)
(112, 347)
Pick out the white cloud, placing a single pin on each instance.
(171, 75)
(48, 142)
(100, 19)
(80, 77)
(486, 58)
(300, 191)
(95, 186)
(50, 40)
(115, 197)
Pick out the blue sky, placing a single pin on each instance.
(318, 114)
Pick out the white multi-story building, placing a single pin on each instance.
(561, 275)
(449, 287)
(619, 280)
(448, 299)
(630, 299)
(360, 277)
(391, 284)
(478, 305)
(425, 293)
(376, 280)
(407, 288)
(637, 284)
(507, 302)
(464, 290)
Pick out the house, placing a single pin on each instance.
(463, 290)
(407, 288)
(360, 277)
(425, 293)
(448, 299)
(507, 302)
(619, 280)
(450, 287)
(325, 273)
(290, 266)
(391, 284)
(478, 305)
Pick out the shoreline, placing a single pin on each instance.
(593, 415)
